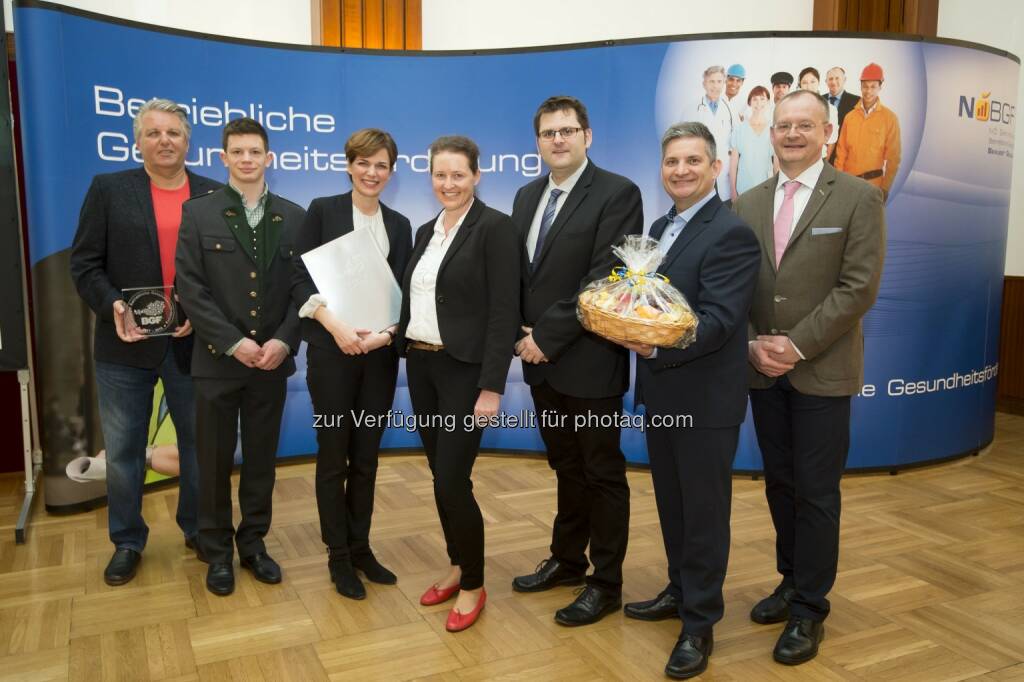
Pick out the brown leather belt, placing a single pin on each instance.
(871, 175)
(420, 345)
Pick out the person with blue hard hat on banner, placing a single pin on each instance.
(822, 234)
(126, 239)
(235, 267)
(735, 76)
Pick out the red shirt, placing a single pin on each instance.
(167, 207)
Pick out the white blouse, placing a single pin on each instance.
(423, 324)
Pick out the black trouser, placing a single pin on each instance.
(804, 441)
(346, 388)
(692, 474)
(593, 496)
(259, 401)
(443, 392)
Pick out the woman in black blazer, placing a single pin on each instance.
(350, 370)
(460, 313)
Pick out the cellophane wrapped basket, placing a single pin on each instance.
(635, 303)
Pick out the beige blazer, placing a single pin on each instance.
(826, 282)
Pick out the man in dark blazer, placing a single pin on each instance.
(696, 397)
(569, 220)
(127, 234)
(837, 96)
(822, 234)
(235, 263)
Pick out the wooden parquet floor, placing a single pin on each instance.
(931, 587)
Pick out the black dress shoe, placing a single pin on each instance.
(122, 566)
(773, 608)
(689, 656)
(590, 606)
(263, 568)
(220, 579)
(372, 569)
(660, 608)
(345, 580)
(799, 641)
(549, 573)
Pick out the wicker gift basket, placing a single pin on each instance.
(635, 303)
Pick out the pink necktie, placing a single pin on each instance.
(784, 220)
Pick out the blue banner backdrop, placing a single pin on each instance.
(931, 341)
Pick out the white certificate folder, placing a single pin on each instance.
(352, 274)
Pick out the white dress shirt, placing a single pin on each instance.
(566, 187)
(808, 180)
(423, 324)
(360, 221)
(375, 224)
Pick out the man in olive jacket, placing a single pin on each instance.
(822, 234)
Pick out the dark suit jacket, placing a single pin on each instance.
(327, 219)
(847, 101)
(220, 285)
(116, 248)
(600, 210)
(714, 263)
(827, 281)
(477, 293)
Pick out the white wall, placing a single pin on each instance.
(478, 24)
(281, 21)
(1000, 24)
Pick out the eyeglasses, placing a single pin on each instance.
(802, 127)
(566, 133)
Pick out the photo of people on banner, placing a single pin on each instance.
(865, 137)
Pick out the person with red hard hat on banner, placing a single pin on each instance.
(869, 141)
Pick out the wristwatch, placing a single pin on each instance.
(391, 335)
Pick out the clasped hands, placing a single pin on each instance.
(351, 341)
(528, 350)
(772, 356)
(266, 357)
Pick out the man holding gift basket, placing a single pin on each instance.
(694, 388)
(568, 222)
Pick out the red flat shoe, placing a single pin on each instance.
(460, 621)
(436, 595)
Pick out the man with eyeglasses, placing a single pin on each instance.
(716, 113)
(869, 143)
(568, 222)
(822, 234)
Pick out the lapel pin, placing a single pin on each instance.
(230, 213)
(276, 218)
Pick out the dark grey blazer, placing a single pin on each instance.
(221, 287)
(115, 248)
